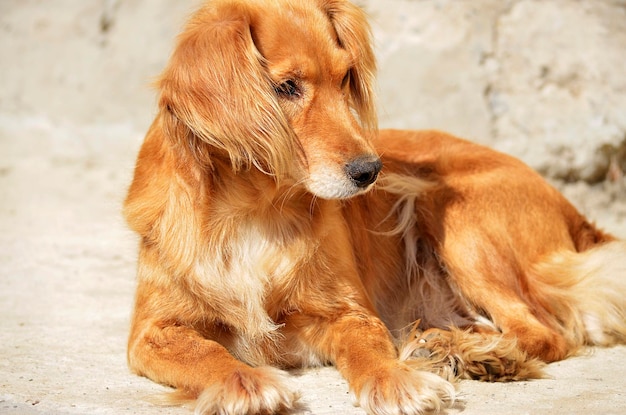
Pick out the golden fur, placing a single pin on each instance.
(266, 245)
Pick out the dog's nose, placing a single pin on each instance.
(363, 171)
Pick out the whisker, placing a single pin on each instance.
(288, 194)
(312, 206)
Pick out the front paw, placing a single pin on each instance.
(248, 391)
(400, 390)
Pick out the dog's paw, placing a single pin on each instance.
(261, 390)
(464, 354)
(400, 390)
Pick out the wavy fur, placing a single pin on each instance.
(265, 243)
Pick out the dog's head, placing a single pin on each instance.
(284, 86)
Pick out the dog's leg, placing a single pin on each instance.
(199, 368)
(467, 354)
(203, 369)
(491, 288)
(361, 348)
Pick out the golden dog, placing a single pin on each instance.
(268, 241)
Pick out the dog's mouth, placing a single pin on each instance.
(328, 181)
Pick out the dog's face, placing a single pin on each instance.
(281, 85)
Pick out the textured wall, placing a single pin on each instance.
(542, 79)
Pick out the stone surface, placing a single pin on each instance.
(541, 80)
(557, 96)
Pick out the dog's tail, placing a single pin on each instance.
(584, 294)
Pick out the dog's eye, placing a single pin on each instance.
(288, 89)
(345, 81)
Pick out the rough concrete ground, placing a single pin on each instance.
(67, 273)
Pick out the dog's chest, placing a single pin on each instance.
(238, 272)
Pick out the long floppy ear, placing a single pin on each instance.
(216, 86)
(354, 35)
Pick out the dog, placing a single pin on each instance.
(272, 238)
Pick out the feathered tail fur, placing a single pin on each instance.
(586, 293)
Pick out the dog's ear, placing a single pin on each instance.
(219, 96)
(354, 35)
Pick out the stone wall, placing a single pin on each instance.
(544, 80)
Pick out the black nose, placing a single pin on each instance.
(363, 171)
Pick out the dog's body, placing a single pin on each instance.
(265, 243)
